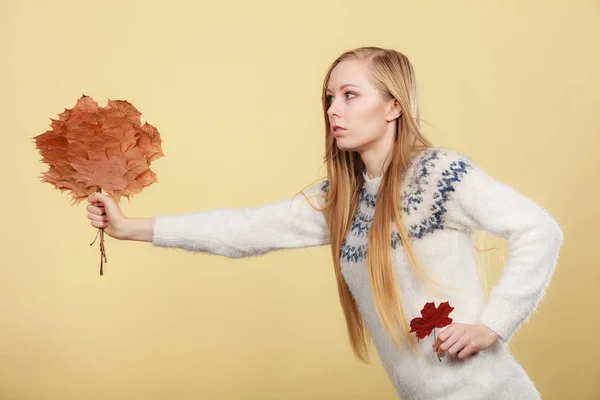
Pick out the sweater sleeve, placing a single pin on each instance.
(534, 239)
(245, 232)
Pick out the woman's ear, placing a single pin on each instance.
(394, 111)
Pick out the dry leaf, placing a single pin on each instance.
(93, 149)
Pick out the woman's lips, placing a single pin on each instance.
(338, 131)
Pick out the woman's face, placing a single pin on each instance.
(361, 112)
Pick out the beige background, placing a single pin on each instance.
(233, 88)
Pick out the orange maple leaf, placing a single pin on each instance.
(93, 149)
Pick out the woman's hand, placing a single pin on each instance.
(464, 340)
(104, 213)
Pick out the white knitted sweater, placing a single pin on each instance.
(445, 198)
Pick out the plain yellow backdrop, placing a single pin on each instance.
(234, 89)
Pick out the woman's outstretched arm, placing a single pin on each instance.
(244, 232)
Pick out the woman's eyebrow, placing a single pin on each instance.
(343, 86)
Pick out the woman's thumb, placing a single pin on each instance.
(110, 206)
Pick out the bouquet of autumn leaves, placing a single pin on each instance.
(93, 149)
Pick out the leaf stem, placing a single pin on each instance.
(435, 339)
(102, 249)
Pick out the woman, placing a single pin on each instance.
(414, 207)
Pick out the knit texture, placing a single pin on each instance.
(445, 198)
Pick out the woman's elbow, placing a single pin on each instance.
(553, 233)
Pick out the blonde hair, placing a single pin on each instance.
(393, 75)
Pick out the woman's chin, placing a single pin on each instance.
(344, 145)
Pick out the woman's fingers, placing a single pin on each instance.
(104, 213)
(467, 351)
(449, 342)
(100, 224)
(94, 198)
(94, 209)
(96, 217)
(458, 346)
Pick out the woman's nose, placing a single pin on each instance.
(333, 110)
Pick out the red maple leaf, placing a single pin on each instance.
(432, 317)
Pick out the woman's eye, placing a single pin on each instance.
(347, 94)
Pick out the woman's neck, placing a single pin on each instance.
(377, 158)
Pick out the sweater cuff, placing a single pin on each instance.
(168, 231)
(502, 317)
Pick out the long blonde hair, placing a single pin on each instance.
(393, 75)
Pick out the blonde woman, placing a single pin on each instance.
(415, 208)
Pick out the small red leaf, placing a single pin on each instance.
(431, 317)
